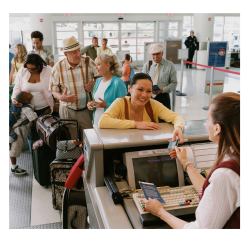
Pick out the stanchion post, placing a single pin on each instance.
(182, 67)
(173, 99)
(211, 87)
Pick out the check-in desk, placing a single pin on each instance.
(103, 145)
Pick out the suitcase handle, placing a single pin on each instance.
(71, 221)
(60, 124)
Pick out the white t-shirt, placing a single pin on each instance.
(36, 89)
(220, 199)
(100, 94)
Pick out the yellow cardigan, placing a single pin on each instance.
(114, 117)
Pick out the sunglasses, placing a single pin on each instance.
(32, 69)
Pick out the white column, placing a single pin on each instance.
(203, 27)
(203, 30)
(42, 22)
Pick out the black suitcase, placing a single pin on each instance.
(74, 209)
(42, 157)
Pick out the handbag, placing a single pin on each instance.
(48, 127)
(67, 149)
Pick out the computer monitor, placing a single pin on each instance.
(153, 166)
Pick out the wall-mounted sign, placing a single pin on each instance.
(66, 14)
(41, 20)
(209, 19)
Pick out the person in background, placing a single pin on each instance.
(108, 87)
(140, 90)
(163, 74)
(11, 55)
(17, 62)
(104, 48)
(127, 59)
(91, 50)
(219, 205)
(34, 78)
(21, 128)
(191, 44)
(68, 85)
(37, 39)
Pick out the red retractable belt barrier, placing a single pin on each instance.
(209, 67)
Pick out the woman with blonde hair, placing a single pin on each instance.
(104, 48)
(17, 62)
(108, 87)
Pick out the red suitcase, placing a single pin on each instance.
(75, 173)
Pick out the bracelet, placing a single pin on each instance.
(185, 166)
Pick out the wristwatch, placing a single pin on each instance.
(185, 165)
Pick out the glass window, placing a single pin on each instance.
(92, 33)
(110, 26)
(63, 35)
(232, 32)
(141, 41)
(110, 34)
(218, 28)
(173, 25)
(145, 26)
(172, 33)
(128, 34)
(145, 33)
(92, 26)
(128, 26)
(128, 41)
(66, 26)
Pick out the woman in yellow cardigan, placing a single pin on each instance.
(140, 90)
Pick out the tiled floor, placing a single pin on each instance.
(190, 107)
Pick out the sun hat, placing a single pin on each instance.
(70, 44)
(155, 48)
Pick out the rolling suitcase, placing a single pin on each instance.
(59, 172)
(74, 209)
(42, 157)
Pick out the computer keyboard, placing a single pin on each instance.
(175, 198)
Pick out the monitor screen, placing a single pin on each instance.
(160, 170)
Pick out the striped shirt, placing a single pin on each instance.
(65, 76)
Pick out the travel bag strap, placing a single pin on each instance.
(87, 73)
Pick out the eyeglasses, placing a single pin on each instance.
(32, 69)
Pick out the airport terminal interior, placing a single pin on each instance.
(30, 204)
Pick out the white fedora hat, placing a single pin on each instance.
(70, 44)
(155, 48)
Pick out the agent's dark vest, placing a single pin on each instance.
(234, 221)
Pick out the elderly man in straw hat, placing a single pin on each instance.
(68, 84)
(163, 75)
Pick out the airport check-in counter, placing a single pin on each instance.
(103, 146)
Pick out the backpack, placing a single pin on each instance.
(14, 114)
(132, 72)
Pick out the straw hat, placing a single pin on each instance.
(70, 44)
(155, 48)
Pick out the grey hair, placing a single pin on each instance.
(112, 60)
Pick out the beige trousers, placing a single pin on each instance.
(83, 118)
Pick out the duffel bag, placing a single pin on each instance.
(48, 127)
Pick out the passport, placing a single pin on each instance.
(150, 191)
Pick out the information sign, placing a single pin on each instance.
(217, 54)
